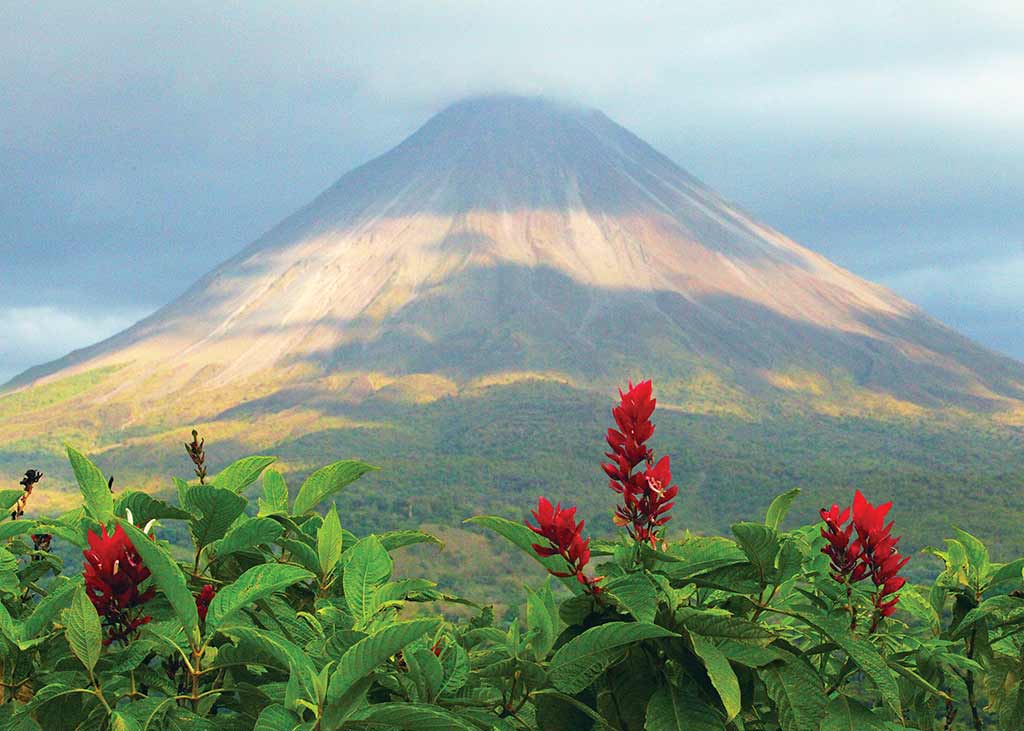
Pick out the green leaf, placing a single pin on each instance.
(277, 718)
(412, 716)
(367, 567)
(523, 537)
(239, 475)
(145, 508)
(169, 579)
(395, 539)
(798, 694)
(720, 623)
(426, 672)
(328, 480)
(99, 503)
(866, 656)
(121, 722)
(217, 510)
(779, 508)
(275, 494)
(846, 714)
(329, 542)
(578, 662)
(48, 607)
(635, 594)
(248, 534)
(1002, 573)
(301, 672)
(258, 582)
(678, 709)
(759, 543)
(366, 655)
(720, 673)
(977, 554)
(82, 629)
(701, 554)
(541, 621)
(8, 498)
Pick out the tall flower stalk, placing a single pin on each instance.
(860, 545)
(564, 538)
(644, 485)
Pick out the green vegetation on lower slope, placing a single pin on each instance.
(491, 449)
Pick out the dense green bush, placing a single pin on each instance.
(279, 617)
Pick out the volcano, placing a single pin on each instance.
(523, 250)
(516, 234)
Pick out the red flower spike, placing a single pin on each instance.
(873, 554)
(565, 539)
(647, 495)
(114, 573)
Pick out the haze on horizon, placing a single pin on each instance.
(142, 148)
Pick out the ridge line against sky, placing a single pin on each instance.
(140, 148)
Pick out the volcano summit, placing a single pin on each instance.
(496, 274)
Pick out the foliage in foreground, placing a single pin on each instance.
(282, 618)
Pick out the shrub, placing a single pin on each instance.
(278, 617)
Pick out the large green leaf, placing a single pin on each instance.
(239, 475)
(247, 534)
(866, 656)
(329, 542)
(779, 508)
(214, 510)
(367, 567)
(8, 498)
(701, 554)
(760, 543)
(277, 718)
(275, 494)
(524, 538)
(145, 508)
(258, 582)
(635, 594)
(99, 503)
(169, 579)
(328, 480)
(401, 538)
(59, 596)
(368, 653)
(541, 620)
(82, 629)
(578, 662)
(797, 692)
(720, 623)
(720, 672)
(679, 709)
(412, 716)
(286, 654)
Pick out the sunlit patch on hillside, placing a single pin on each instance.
(53, 393)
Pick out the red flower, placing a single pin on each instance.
(647, 494)
(872, 554)
(205, 596)
(113, 574)
(565, 539)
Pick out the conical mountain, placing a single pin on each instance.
(469, 299)
(513, 234)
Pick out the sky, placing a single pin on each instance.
(142, 144)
